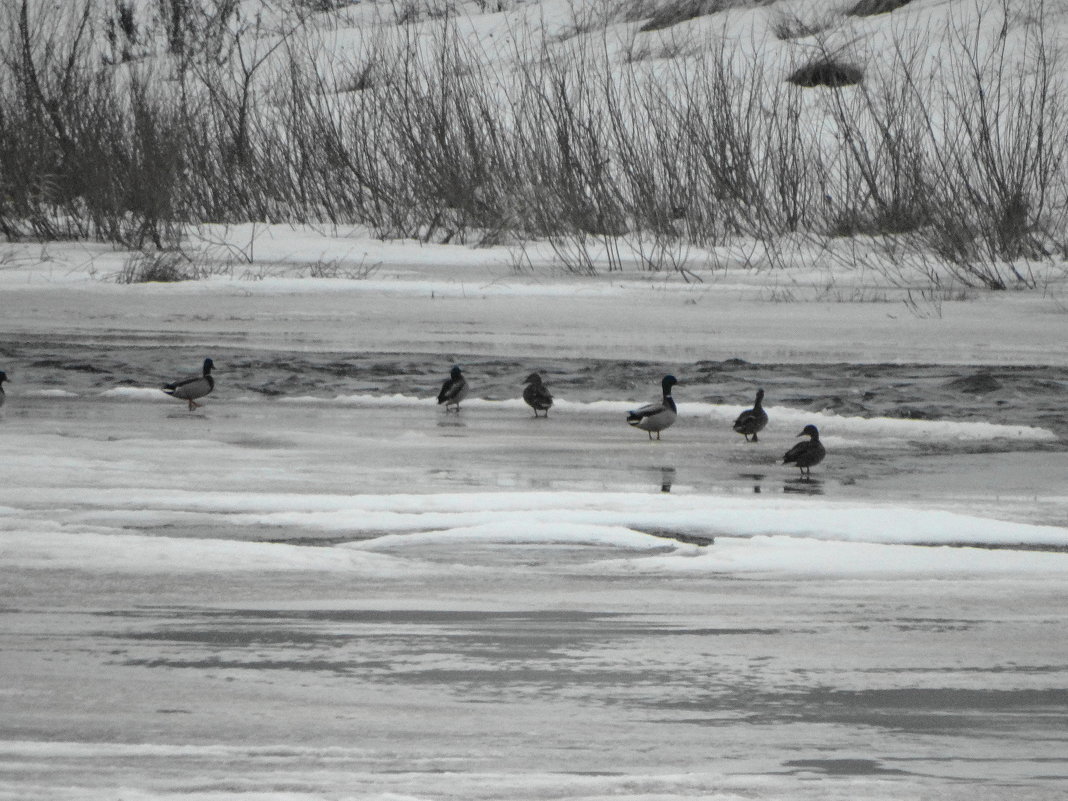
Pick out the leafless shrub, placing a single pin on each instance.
(994, 146)
(826, 71)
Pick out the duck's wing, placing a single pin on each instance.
(816, 452)
(796, 452)
(746, 418)
(451, 389)
(648, 410)
(182, 384)
(194, 386)
(539, 396)
(446, 386)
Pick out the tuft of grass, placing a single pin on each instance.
(870, 8)
(361, 78)
(338, 268)
(826, 71)
(675, 12)
(788, 27)
(641, 50)
(164, 267)
(410, 12)
(323, 6)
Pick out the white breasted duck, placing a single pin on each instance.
(537, 395)
(656, 416)
(806, 454)
(193, 387)
(752, 421)
(453, 390)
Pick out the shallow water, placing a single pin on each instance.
(1025, 395)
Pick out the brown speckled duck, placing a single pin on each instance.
(536, 395)
(752, 421)
(453, 390)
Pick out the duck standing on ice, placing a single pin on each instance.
(454, 389)
(536, 395)
(193, 387)
(656, 416)
(806, 454)
(752, 421)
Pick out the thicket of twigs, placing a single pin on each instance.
(130, 123)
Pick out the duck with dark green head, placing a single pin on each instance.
(194, 386)
(655, 417)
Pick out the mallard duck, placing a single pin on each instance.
(536, 395)
(453, 390)
(752, 421)
(3, 378)
(193, 387)
(806, 454)
(656, 416)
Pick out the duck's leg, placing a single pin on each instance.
(754, 439)
(193, 404)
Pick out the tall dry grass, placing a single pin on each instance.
(609, 152)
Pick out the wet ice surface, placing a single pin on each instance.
(290, 595)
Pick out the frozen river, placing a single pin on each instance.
(340, 592)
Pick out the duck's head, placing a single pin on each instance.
(760, 395)
(456, 372)
(668, 382)
(810, 431)
(3, 377)
(533, 378)
(209, 365)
